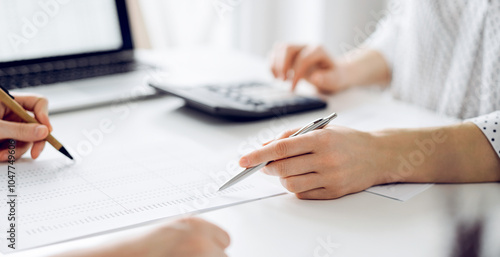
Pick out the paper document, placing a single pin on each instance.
(57, 201)
(401, 192)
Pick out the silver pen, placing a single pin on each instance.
(317, 124)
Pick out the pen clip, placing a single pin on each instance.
(298, 132)
(324, 122)
(6, 91)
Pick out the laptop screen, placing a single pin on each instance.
(37, 29)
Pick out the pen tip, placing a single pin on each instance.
(65, 152)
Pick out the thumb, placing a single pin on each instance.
(26, 132)
(325, 80)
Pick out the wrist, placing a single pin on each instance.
(383, 154)
(365, 67)
(410, 155)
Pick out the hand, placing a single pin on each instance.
(189, 237)
(335, 161)
(311, 63)
(322, 164)
(184, 238)
(26, 134)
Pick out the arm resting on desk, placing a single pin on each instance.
(185, 237)
(336, 161)
(452, 154)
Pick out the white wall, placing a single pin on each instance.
(254, 25)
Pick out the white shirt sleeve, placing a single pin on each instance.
(490, 126)
(384, 39)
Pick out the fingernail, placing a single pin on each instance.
(41, 131)
(244, 162)
(268, 142)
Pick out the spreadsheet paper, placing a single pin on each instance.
(58, 200)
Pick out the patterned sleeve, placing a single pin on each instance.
(386, 34)
(490, 126)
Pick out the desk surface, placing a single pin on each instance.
(434, 223)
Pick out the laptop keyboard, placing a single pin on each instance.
(50, 73)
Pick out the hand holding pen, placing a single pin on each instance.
(27, 130)
(250, 169)
(327, 163)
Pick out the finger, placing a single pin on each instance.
(302, 183)
(27, 132)
(221, 237)
(285, 134)
(20, 149)
(279, 149)
(268, 142)
(37, 148)
(38, 105)
(279, 58)
(293, 166)
(314, 194)
(305, 60)
(289, 54)
(215, 253)
(277, 48)
(272, 63)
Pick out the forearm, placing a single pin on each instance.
(365, 67)
(451, 154)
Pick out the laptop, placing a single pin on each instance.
(78, 54)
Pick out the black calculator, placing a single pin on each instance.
(243, 101)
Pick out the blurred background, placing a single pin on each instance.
(253, 26)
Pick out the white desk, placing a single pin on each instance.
(362, 224)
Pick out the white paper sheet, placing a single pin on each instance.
(58, 201)
(129, 185)
(400, 192)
